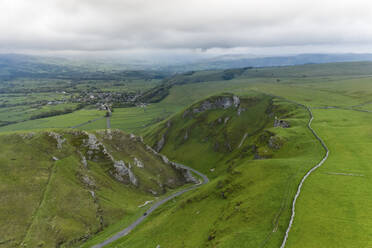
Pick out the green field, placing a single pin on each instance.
(61, 121)
(248, 201)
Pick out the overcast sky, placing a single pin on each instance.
(185, 26)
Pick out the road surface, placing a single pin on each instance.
(127, 230)
(87, 122)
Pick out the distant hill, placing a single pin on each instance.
(275, 72)
(14, 66)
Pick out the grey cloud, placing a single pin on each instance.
(96, 25)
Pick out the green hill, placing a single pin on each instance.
(255, 149)
(58, 188)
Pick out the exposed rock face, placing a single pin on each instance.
(138, 163)
(149, 148)
(190, 178)
(281, 123)
(92, 142)
(274, 143)
(236, 101)
(88, 181)
(60, 140)
(83, 160)
(123, 171)
(160, 143)
(223, 102)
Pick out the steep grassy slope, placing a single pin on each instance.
(58, 188)
(254, 166)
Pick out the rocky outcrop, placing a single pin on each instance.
(138, 163)
(274, 143)
(59, 139)
(27, 135)
(281, 123)
(160, 143)
(236, 101)
(220, 102)
(88, 181)
(122, 171)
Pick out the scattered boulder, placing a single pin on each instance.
(55, 158)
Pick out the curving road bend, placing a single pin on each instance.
(127, 230)
(306, 175)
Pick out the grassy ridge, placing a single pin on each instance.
(51, 198)
(247, 202)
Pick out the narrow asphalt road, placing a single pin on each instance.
(128, 229)
(306, 175)
(108, 122)
(87, 122)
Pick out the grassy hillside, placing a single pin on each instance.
(254, 166)
(58, 188)
(335, 209)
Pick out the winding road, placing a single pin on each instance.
(306, 175)
(128, 229)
